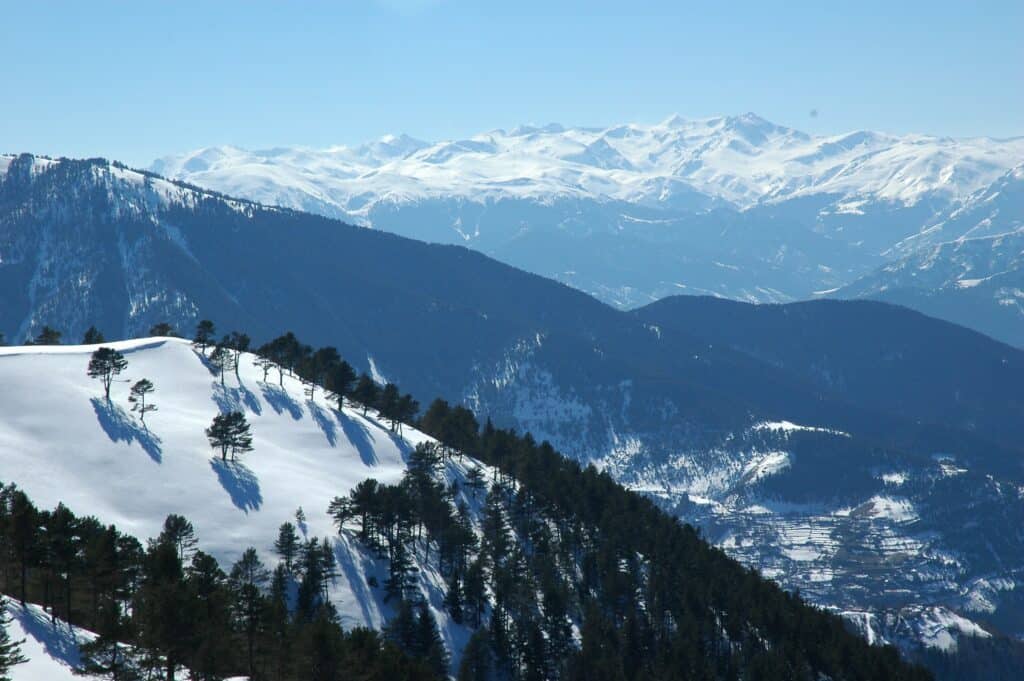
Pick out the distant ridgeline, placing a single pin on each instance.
(570, 576)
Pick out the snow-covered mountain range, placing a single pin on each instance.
(966, 265)
(737, 160)
(736, 207)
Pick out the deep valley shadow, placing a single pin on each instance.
(280, 401)
(239, 482)
(121, 427)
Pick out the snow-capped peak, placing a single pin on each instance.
(743, 160)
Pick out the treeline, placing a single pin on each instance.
(165, 607)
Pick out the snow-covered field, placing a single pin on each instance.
(60, 441)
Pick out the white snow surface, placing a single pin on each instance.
(742, 160)
(61, 442)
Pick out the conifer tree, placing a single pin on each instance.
(211, 653)
(10, 650)
(428, 644)
(388, 403)
(230, 432)
(93, 337)
(179, 533)
(106, 656)
(205, 331)
(477, 660)
(453, 598)
(238, 343)
(287, 545)
(366, 392)
(339, 380)
(162, 329)
(105, 364)
(47, 336)
(140, 389)
(248, 577)
(221, 360)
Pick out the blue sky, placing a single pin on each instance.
(137, 80)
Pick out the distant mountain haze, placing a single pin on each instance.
(734, 206)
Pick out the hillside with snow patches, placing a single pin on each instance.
(61, 442)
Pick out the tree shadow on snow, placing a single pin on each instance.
(59, 640)
(280, 401)
(239, 482)
(324, 421)
(358, 434)
(235, 399)
(356, 574)
(121, 427)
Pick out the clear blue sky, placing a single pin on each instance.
(134, 80)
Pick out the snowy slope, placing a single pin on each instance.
(60, 442)
(51, 649)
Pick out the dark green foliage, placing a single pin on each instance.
(93, 336)
(47, 336)
(140, 389)
(160, 612)
(205, 331)
(287, 545)
(366, 392)
(230, 433)
(105, 364)
(162, 329)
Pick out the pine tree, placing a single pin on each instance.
(161, 612)
(221, 360)
(47, 336)
(162, 329)
(105, 364)
(428, 644)
(238, 343)
(388, 403)
(453, 598)
(211, 653)
(205, 331)
(179, 533)
(10, 650)
(248, 577)
(140, 389)
(93, 337)
(339, 380)
(328, 565)
(475, 480)
(287, 545)
(106, 656)
(366, 392)
(477, 660)
(230, 433)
